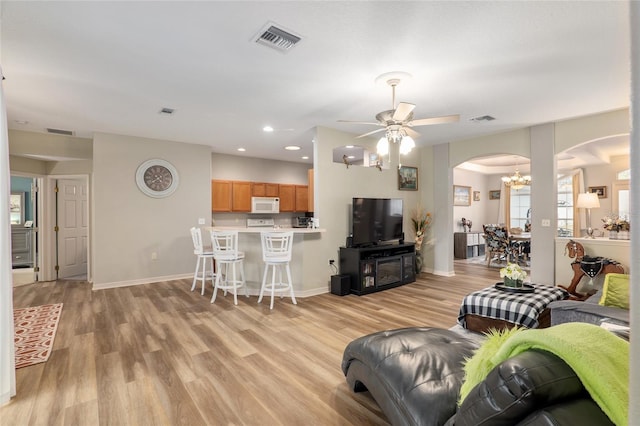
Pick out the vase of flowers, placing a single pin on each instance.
(513, 275)
(421, 221)
(617, 226)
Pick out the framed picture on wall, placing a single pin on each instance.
(600, 190)
(476, 195)
(494, 194)
(408, 178)
(461, 195)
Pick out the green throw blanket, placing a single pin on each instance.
(599, 358)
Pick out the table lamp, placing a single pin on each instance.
(588, 201)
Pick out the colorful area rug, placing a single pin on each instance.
(35, 330)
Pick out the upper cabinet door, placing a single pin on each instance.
(302, 198)
(241, 196)
(287, 198)
(221, 195)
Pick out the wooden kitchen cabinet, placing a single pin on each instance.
(240, 196)
(287, 197)
(221, 195)
(263, 189)
(230, 196)
(302, 198)
(311, 189)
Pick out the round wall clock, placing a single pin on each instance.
(157, 178)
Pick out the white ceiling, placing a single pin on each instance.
(111, 66)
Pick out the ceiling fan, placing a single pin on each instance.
(398, 121)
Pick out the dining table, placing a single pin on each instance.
(519, 240)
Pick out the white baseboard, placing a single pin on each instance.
(251, 291)
(116, 284)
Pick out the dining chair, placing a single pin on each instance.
(498, 245)
(229, 264)
(205, 258)
(276, 254)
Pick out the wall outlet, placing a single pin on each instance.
(154, 256)
(331, 261)
(546, 222)
(201, 221)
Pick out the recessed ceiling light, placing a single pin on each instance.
(267, 129)
(305, 157)
(351, 157)
(241, 149)
(292, 148)
(348, 146)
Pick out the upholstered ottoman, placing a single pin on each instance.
(414, 374)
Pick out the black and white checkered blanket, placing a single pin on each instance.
(522, 309)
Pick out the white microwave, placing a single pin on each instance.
(265, 205)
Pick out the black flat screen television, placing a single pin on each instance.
(376, 221)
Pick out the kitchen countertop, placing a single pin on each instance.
(259, 229)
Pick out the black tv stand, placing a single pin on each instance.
(378, 268)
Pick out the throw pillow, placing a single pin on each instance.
(615, 291)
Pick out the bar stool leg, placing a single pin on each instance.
(293, 297)
(195, 274)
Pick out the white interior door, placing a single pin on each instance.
(72, 227)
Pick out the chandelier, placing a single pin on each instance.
(516, 180)
(395, 134)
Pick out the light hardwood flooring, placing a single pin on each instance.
(159, 354)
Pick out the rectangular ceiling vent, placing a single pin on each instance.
(276, 38)
(483, 118)
(60, 132)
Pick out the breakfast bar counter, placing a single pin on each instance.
(303, 263)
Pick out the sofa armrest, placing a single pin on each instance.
(572, 311)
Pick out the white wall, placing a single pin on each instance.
(239, 167)
(478, 212)
(129, 226)
(604, 175)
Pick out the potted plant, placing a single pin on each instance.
(513, 275)
(421, 221)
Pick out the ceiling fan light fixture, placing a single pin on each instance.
(383, 146)
(406, 145)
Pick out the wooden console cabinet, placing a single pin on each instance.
(378, 268)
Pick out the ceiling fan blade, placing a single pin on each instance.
(434, 120)
(360, 122)
(402, 111)
(411, 132)
(371, 133)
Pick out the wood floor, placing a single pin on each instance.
(159, 354)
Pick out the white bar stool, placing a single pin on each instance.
(276, 254)
(226, 254)
(203, 253)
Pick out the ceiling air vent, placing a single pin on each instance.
(60, 132)
(276, 38)
(483, 118)
(167, 111)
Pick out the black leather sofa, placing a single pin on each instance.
(415, 375)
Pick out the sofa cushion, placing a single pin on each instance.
(517, 387)
(414, 374)
(615, 291)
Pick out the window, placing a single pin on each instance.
(624, 175)
(565, 206)
(519, 207)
